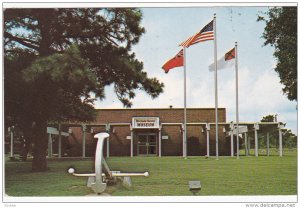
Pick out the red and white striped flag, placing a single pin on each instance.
(207, 33)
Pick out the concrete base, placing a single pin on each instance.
(127, 182)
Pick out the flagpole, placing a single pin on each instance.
(237, 103)
(216, 87)
(184, 151)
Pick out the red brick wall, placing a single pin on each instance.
(120, 146)
(165, 115)
(173, 145)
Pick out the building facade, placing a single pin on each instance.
(151, 132)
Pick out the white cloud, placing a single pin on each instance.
(257, 97)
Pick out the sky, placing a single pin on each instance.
(260, 91)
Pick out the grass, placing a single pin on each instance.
(169, 176)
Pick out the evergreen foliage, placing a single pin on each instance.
(56, 60)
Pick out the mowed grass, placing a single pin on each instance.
(169, 176)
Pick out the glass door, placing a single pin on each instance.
(142, 145)
(151, 144)
(147, 145)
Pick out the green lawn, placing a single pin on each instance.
(169, 176)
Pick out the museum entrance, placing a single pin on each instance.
(147, 144)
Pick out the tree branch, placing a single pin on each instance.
(30, 41)
(21, 41)
(110, 40)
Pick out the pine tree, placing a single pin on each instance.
(72, 53)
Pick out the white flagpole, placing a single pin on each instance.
(216, 87)
(184, 151)
(237, 102)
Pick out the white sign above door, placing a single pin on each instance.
(145, 122)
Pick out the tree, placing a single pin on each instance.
(273, 135)
(53, 90)
(281, 32)
(16, 93)
(74, 54)
(289, 139)
(268, 118)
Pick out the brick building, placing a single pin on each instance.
(155, 132)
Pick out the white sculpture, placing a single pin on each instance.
(98, 181)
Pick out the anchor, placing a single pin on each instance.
(98, 181)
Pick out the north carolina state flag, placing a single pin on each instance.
(174, 62)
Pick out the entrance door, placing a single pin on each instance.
(147, 145)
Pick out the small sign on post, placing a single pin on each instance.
(195, 186)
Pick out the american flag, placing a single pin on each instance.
(207, 33)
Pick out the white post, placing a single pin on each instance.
(246, 144)
(231, 143)
(184, 151)
(83, 139)
(216, 88)
(237, 145)
(280, 141)
(159, 141)
(131, 142)
(49, 146)
(249, 144)
(268, 144)
(256, 127)
(207, 139)
(256, 143)
(59, 140)
(107, 128)
(107, 148)
(11, 142)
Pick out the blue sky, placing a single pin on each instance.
(260, 92)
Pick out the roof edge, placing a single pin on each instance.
(130, 109)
